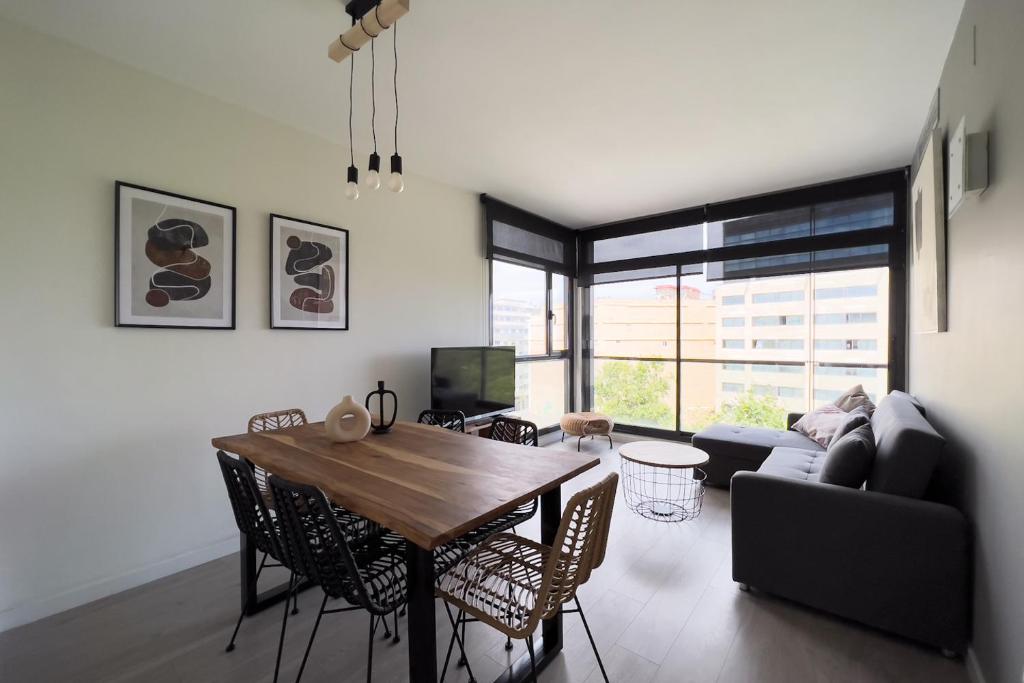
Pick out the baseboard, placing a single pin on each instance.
(40, 608)
(973, 667)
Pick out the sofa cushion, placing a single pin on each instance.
(748, 443)
(854, 397)
(851, 420)
(848, 458)
(907, 448)
(820, 424)
(794, 463)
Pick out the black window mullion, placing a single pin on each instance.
(679, 349)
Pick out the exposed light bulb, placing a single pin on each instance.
(352, 188)
(373, 176)
(395, 182)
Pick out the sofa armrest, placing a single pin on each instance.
(791, 419)
(895, 563)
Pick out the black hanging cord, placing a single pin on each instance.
(395, 28)
(351, 80)
(373, 96)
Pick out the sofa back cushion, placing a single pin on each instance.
(848, 459)
(853, 419)
(907, 448)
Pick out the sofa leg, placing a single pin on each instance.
(745, 587)
(949, 654)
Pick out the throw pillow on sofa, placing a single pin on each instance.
(854, 398)
(848, 460)
(853, 419)
(820, 424)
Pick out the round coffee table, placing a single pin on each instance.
(662, 480)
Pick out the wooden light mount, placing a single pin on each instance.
(371, 19)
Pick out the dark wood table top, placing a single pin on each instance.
(428, 484)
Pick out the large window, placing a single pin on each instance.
(530, 311)
(532, 264)
(728, 371)
(780, 311)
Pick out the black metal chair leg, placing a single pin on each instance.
(578, 444)
(369, 652)
(533, 660)
(387, 630)
(234, 634)
(610, 444)
(312, 636)
(462, 657)
(591, 637)
(397, 637)
(563, 437)
(447, 656)
(284, 626)
(455, 632)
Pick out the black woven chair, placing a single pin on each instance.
(454, 420)
(368, 575)
(261, 529)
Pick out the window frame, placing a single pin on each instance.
(893, 236)
(496, 210)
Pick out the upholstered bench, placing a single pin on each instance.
(587, 424)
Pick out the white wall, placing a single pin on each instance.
(969, 378)
(107, 476)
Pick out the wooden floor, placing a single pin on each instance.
(663, 608)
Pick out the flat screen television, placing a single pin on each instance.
(478, 380)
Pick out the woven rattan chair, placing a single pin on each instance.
(512, 583)
(261, 529)
(271, 422)
(454, 420)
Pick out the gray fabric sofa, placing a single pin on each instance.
(883, 555)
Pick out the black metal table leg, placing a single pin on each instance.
(422, 626)
(248, 566)
(548, 646)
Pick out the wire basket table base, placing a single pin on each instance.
(664, 494)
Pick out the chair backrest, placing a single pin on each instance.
(579, 545)
(454, 420)
(250, 508)
(279, 419)
(511, 430)
(312, 533)
(269, 422)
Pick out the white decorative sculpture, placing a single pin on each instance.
(347, 421)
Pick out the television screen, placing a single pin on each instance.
(478, 380)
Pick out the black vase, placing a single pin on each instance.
(377, 422)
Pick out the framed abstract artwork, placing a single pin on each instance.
(174, 260)
(928, 241)
(308, 275)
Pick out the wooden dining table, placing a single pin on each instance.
(428, 485)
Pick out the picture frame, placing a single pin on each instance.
(174, 260)
(308, 275)
(928, 240)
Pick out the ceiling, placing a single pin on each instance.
(584, 111)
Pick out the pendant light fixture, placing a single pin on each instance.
(352, 188)
(373, 174)
(396, 183)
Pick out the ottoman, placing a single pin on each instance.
(587, 424)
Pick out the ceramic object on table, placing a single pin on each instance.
(347, 421)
